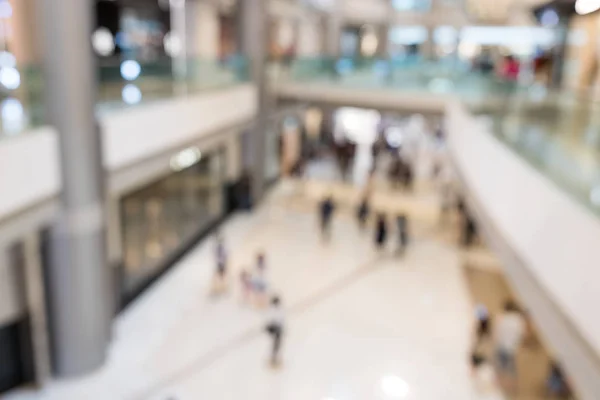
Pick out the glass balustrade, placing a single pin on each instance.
(121, 84)
(557, 132)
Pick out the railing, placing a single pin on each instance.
(407, 73)
(121, 84)
(557, 132)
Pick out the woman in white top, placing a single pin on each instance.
(509, 332)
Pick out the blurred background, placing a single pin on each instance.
(299, 199)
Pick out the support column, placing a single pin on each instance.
(558, 56)
(202, 30)
(36, 305)
(81, 305)
(383, 40)
(179, 31)
(332, 32)
(252, 38)
(428, 46)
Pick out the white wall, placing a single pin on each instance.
(29, 170)
(555, 236)
(132, 135)
(29, 163)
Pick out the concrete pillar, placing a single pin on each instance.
(202, 30)
(253, 28)
(81, 305)
(383, 41)
(179, 31)
(36, 306)
(558, 56)
(308, 38)
(428, 46)
(23, 40)
(333, 24)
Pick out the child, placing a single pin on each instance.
(246, 285)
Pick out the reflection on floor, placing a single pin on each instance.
(362, 325)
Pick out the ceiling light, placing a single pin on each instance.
(185, 158)
(10, 78)
(583, 7)
(131, 94)
(130, 70)
(103, 41)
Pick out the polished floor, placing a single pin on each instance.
(362, 324)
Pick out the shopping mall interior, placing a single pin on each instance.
(299, 199)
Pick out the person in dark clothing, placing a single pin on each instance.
(556, 383)
(402, 223)
(275, 328)
(327, 207)
(363, 213)
(381, 231)
(469, 230)
(407, 175)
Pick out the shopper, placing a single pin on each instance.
(221, 256)
(556, 383)
(403, 238)
(363, 213)
(275, 328)
(246, 286)
(381, 231)
(482, 317)
(326, 209)
(259, 281)
(509, 332)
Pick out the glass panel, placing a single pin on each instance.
(411, 5)
(166, 215)
(124, 84)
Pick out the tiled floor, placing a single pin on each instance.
(361, 325)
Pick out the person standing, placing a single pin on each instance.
(221, 265)
(402, 224)
(327, 207)
(275, 328)
(482, 315)
(259, 281)
(509, 332)
(381, 231)
(363, 213)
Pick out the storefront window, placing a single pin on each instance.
(164, 216)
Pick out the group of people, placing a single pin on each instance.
(497, 343)
(255, 290)
(327, 208)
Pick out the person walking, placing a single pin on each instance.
(221, 257)
(363, 213)
(381, 231)
(402, 224)
(259, 281)
(326, 208)
(508, 336)
(275, 328)
(482, 316)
